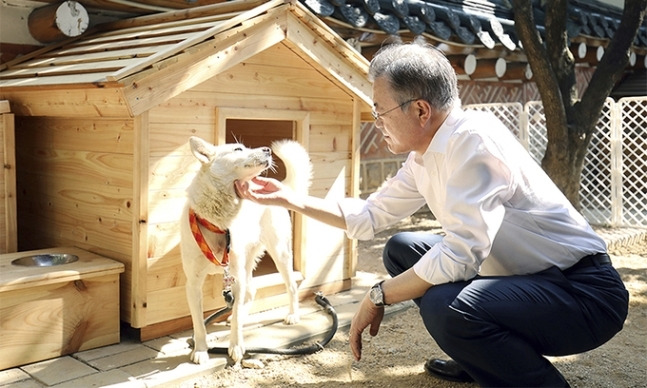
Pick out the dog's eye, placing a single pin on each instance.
(238, 149)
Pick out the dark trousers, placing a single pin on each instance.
(498, 328)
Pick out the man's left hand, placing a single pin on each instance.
(367, 315)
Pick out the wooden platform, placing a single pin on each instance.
(47, 312)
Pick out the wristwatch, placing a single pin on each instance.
(376, 295)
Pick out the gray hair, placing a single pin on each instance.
(416, 70)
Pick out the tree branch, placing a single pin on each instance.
(615, 58)
(543, 73)
(559, 54)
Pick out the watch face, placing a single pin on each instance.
(376, 295)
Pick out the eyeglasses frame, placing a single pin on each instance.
(377, 116)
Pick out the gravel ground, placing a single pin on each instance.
(395, 358)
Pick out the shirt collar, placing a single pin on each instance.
(438, 143)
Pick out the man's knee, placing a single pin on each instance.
(441, 320)
(392, 254)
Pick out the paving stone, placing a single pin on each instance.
(113, 379)
(168, 345)
(13, 375)
(170, 371)
(29, 383)
(138, 353)
(105, 351)
(58, 370)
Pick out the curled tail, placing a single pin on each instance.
(298, 169)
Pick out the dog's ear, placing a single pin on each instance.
(202, 150)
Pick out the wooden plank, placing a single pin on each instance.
(104, 135)
(141, 184)
(91, 78)
(69, 69)
(166, 271)
(275, 81)
(133, 52)
(174, 16)
(330, 138)
(124, 41)
(172, 172)
(352, 76)
(185, 27)
(75, 101)
(164, 243)
(68, 226)
(108, 169)
(58, 319)
(5, 107)
(170, 139)
(169, 81)
(88, 265)
(102, 202)
(196, 39)
(8, 206)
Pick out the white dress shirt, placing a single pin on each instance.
(501, 213)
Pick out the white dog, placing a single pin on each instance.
(236, 232)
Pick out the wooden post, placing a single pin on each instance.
(58, 21)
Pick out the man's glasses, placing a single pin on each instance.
(377, 116)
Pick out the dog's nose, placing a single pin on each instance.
(267, 150)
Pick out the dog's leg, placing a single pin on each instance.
(194, 283)
(238, 313)
(282, 256)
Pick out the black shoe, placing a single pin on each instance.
(447, 370)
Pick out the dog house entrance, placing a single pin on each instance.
(261, 133)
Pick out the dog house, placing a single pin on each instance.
(102, 124)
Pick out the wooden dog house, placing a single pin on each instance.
(103, 120)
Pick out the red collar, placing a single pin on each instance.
(194, 219)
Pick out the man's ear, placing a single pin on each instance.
(424, 110)
(202, 150)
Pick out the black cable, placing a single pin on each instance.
(317, 346)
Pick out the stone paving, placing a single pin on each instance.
(164, 362)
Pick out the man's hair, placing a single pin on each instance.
(416, 70)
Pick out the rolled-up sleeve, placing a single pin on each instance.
(396, 199)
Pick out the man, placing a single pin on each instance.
(518, 274)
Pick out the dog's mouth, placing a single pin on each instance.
(257, 166)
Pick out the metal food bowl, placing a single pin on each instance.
(45, 260)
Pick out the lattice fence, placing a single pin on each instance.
(614, 178)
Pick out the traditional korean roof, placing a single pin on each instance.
(472, 23)
(153, 57)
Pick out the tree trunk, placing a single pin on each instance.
(570, 122)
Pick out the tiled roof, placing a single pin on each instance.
(484, 23)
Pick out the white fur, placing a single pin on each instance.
(254, 228)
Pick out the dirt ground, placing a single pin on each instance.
(395, 358)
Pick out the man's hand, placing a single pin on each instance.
(368, 314)
(267, 191)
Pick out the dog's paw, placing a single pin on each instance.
(252, 363)
(292, 319)
(236, 352)
(199, 356)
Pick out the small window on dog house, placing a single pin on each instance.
(260, 129)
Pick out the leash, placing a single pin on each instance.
(317, 346)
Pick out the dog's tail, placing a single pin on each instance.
(298, 169)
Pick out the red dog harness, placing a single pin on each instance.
(194, 219)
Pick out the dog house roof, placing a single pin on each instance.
(152, 58)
